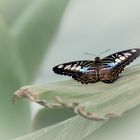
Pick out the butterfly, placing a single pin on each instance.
(106, 70)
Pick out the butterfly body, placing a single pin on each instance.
(106, 70)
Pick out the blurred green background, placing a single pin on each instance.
(36, 35)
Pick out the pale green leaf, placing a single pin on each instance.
(97, 101)
(46, 117)
(34, 31)
(10, 10)
(126, 127)
(102, 100)
(74, 128)
(12, 76)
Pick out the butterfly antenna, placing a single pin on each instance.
(90, 54)
(104, 52)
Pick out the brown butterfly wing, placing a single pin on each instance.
(116, 63)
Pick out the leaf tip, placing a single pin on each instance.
(24, 92)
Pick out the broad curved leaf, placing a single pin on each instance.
(35, 29)
(11, 10)
(74, 128)
(46, 117)
(97, 101)
(12, 76)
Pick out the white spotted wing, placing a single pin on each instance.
(73, 68)
(121, 58)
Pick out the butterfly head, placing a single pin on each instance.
(97, 59)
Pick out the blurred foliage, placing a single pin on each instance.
(78, 128)
(34, 31)
(10, 10)
(27, 28)
(17, 117)
(74, 128)
(46, 117)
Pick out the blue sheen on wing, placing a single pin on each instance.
(113, 64)
(84, 69)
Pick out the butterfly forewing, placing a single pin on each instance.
(72, 68)
(83, 71)
(122, 58)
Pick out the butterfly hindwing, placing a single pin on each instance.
(116, 63)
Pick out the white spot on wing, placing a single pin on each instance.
(120, 55)
(133, 51)
(127, 54)
(74, 67)
(81, 63)
(122, 58)
(67, 67)
(78, 68)
(117, 60)
(60, 66)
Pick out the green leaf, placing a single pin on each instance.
(34, 31)
(124, 128)
(97, 101)
(12, 117)
(102, 100)
(46, 117)
(11, 10)
(78, 128)
(74, 128)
